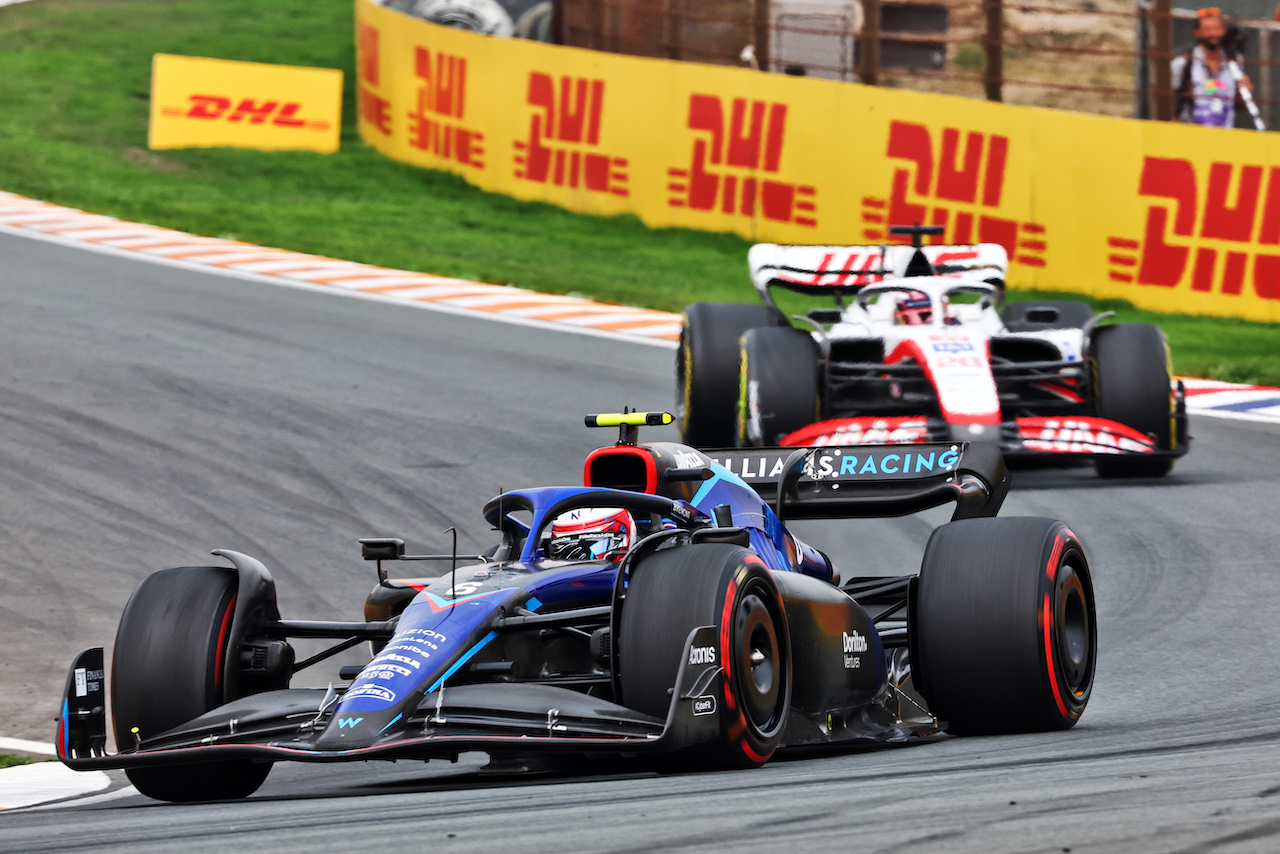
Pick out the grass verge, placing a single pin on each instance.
(73, 122)
(8, 760)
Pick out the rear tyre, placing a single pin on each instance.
(1130, 364)
(1046, 314)
(707, 369)
(674, 591)
(167, 669)
(779, 385)
(1003, 627)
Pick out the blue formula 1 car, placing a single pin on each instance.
(664, 607)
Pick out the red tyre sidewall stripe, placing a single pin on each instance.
(726, 623)
(1048, 658)
(1051, 568)
(738, 727)
(221, 657)
(751, 754)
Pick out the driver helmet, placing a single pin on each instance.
(913, 308)
(591, 533)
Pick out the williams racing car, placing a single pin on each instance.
(917, 349)
(662, 608)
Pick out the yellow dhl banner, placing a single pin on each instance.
(1170, 217)
(206, 103)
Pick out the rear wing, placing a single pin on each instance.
(843, 270)
(866, 481)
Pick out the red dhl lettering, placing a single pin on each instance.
(246, 110)
(375, 110)
(434, 122)
(444, 83)
(368, 40)
(565, 119)
(956, 186)
(1234, 212)
(750, 142)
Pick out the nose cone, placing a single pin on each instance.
(351, 730)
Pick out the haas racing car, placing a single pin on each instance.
(918, 349)
(664, 607)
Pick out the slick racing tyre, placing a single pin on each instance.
(1130, 365)
(167, 669)
(1045, 314)
(778, 387)
(707, 369)
(674, 591)
(1003, 626)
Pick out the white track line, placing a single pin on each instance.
(91, 800)
(41, 782)
(21, 745)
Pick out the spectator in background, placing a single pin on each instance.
(1207, 91)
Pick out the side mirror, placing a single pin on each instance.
(382, 548)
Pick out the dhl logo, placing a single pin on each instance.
(565, 120)
(434, 123)
(727, 155)
(957, 187)
(247, 110)
(251, 105)
(1200, 220)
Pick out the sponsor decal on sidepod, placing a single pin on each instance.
(854, 645)
(702, 655)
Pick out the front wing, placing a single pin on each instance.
(1031, 436)
(493, 717)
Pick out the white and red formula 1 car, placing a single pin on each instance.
(920, 348)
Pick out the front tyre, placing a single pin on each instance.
(1003, 629)
(1130, 364)
(707, 369)
(167, 669)
(676, 590)
(779, 385)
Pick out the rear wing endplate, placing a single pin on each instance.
(867, 481)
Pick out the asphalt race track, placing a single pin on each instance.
(149, 414)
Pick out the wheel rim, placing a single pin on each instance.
(1075, 632)
(760, 663)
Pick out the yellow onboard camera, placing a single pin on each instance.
(627, 422)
